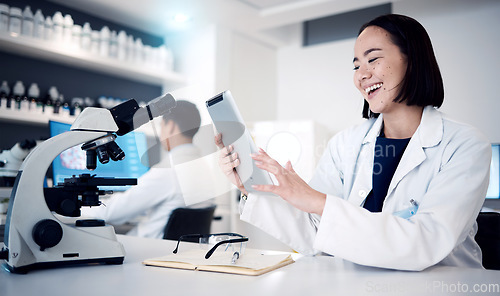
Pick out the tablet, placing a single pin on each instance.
(228, 122)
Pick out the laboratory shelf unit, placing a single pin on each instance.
(15, 116)
(74, 57)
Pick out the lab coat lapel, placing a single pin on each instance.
(363, 179)
(428, 134)
(413, 156)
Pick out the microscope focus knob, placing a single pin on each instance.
(47, 233)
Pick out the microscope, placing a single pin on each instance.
(11, 160)
(35, 235)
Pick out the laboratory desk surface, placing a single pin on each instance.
(319, 275)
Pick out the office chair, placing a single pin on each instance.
(189, 221)
(488, 238)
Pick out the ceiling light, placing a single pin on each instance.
(181, 18)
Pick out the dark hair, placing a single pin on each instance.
(186, 116)
(422, 84)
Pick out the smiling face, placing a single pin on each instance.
(379, 68)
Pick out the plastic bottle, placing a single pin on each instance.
(76, 106)
(147, 54)
(4, 95)
(67, 29)
(15, 21)
(34, 97)
(94, 42)
(51, 97)
(113, 45)
(58, 24)
(76, 39)
(155, 59)
(18, 94)
(48, 30)
(85, 37)
(58, 105)
(138, 51)
(168, 62)
(4, 17)
(27, 23)
(122, 46)
(64, 110)
(38, 24)
(102, 101)
(130, 49)
(89, 102)
(104, 41)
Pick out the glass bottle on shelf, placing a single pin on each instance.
(38, 24)
(15, 20)
(104, 41)
(52, 95)
(122, 46)
(94, 42)
(76, 39)
(85, 38)
(34, 98)
(76, 107)
(4, 95)
(113, 45)
(58, 25)
(67, 29)
(17, 94)
(27, 23)
(4, 17)
(48, 30)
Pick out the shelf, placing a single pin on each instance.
(29, 118)
(49, 51)
(14, 116)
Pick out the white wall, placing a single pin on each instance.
(252, 79)
(466, 41)
(316, 81)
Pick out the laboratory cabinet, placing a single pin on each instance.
(74, 71)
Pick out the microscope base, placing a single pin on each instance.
(44, 265)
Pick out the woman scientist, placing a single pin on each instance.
(403, 189)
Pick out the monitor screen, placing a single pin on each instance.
(72, 161)
(494, 188)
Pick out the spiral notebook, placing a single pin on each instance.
(252, 262)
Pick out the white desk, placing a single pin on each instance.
(319, 275)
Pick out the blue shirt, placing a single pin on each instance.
(388, 153)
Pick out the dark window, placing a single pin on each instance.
(341, 26)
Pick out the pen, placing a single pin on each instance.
(236, 255)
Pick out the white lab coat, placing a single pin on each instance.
(155, 196)
(445, 168)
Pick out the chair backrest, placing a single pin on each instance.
(488, 238)
(189, 221)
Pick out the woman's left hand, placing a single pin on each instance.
(291, 187)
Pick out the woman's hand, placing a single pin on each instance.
(228, 161)
(291, 187)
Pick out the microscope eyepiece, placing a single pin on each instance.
(129, 116)
(161, 105)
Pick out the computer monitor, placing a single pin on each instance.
(72, 161)
(494, 188)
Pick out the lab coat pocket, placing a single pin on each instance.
(407, 212)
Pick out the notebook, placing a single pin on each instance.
(252, 262)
